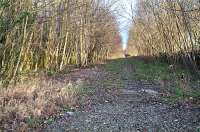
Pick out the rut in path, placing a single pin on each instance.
(137, 107)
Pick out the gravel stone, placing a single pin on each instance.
(136, 108)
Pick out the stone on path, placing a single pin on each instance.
(150, 91)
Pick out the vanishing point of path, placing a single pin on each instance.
(121, 104)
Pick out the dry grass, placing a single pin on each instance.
(36, 99)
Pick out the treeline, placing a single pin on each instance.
(49, 34)
(169, 29)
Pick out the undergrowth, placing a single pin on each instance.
(29, 104)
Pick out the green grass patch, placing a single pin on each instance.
(115, 66)
(180, 94)
(151, 71)
(157, 71)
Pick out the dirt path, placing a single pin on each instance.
(133, 106)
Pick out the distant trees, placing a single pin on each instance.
(169, 28)
(49, 34)
(117, 49)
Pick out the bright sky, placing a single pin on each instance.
(124, 16)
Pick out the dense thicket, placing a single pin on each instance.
(48, 34)
(168, 28)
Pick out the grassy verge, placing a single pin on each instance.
(37, 101)
(154, 70)
(176, 81)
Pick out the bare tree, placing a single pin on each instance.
(47, 35)
(168, 28)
